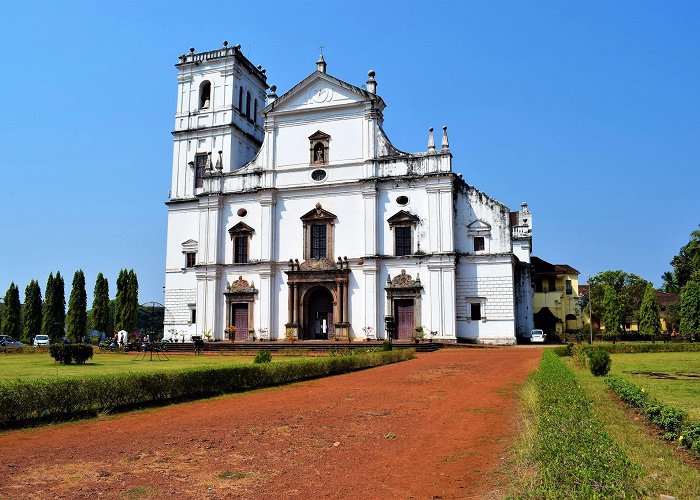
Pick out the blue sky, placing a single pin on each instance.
(590, 111)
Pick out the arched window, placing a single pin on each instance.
(247, 105)
(204, 94)
(255, 112)
(240, 99)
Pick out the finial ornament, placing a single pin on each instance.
(431, 140)
(371, 83)
(445, 142)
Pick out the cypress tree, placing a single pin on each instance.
(133, 298)
(31, 315)
(77, 308)
(59, 302)
(11, 316)
(649, 314)
(49, 314)
(121, 301)
(690, 308)
(612, 312)
(100, 306)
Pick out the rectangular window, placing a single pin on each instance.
(193, 315)
(569, 288)
(240, 250)
(318, 241)
(552, 285)
(476, 310)
(403, 240)
(479, 244)
(200, 163)
(190, 259)
(538, 285)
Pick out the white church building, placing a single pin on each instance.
(294, 215)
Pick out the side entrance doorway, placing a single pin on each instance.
(405, 318)
(239, 316)
(319, 315)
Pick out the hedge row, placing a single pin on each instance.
(576, 457)
(673, 422)
(634, 347)
(22, 402)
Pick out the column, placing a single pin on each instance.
(345, 301)
(369, 196)
(295, 310)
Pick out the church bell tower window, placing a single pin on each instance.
(200, 163)
(204, 95)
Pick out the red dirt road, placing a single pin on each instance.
(434, 427)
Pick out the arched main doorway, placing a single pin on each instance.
(318, 314)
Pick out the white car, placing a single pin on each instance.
(40, 340)
(537, 336)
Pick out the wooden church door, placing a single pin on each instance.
(240, 320)
(405, 320)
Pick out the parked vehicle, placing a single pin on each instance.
(7, 342)
(41, 340)
(537, 335)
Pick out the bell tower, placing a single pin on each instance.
(217, 122)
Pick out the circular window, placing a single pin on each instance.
(242, 212)
(318, 175)
(402, 200)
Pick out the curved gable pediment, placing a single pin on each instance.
(190, 246)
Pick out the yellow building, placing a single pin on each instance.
(556, 303)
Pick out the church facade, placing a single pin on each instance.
(295, 216)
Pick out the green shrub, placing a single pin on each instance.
(24, 401)
(673, 422)
(263, 357)
(71, 353)
(575, 457)
(599, 361)
(386, 345)
(637, 347)
(564, 350)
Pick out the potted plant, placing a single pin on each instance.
(418, 334)
(231, 332)
(208, 335)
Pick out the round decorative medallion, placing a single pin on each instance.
(402, 200)
(322, 95)
(242, 212)
(318, 175)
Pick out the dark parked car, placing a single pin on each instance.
(7, 342)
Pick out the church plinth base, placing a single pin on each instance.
(292, 331)
(342, 331)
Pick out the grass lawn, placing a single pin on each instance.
(31, 366)
(664, 469)
(681, 390)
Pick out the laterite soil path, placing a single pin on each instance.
(434, 427)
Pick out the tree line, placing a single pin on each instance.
(49, 317)
(617, 296)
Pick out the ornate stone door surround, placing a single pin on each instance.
(241, 292)
(302, 278)
(403, 286)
